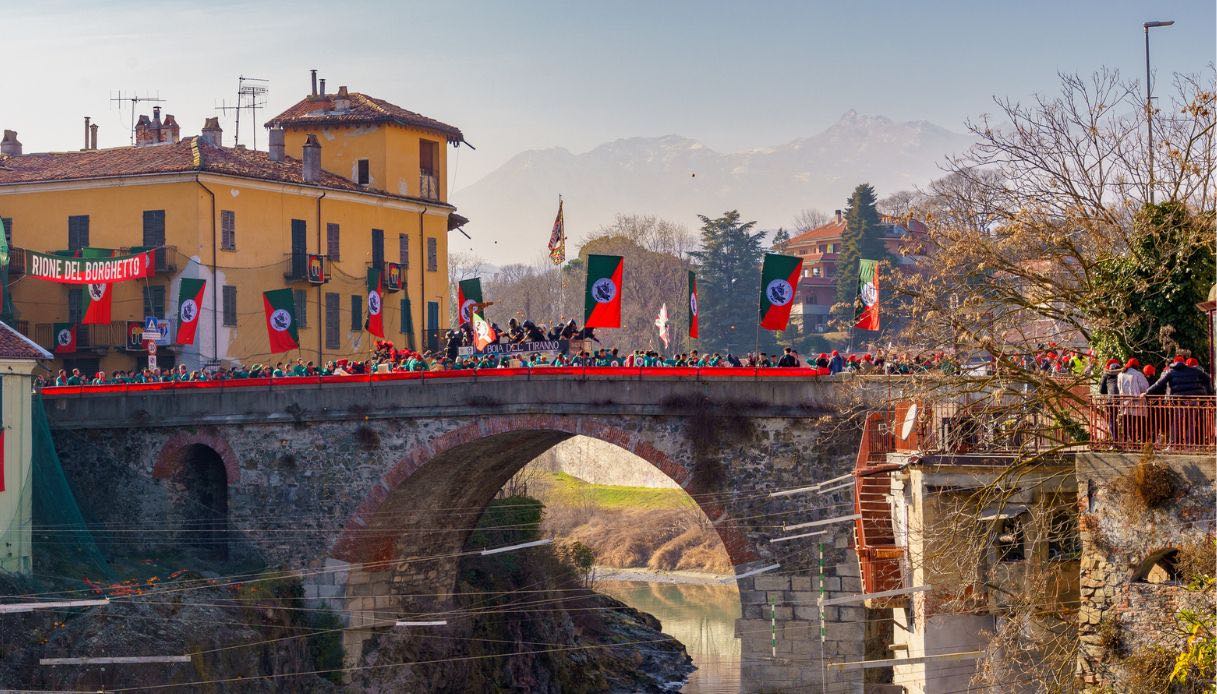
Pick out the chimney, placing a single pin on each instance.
(93, 136)
(144, 134)
(10, 145)
(276, 144)
(156, 125)
(314, 74)
(342, 102)
(87, 119)
(312, 159)
(838, 216)
(322, 86)
(170, 130)
(212, 133)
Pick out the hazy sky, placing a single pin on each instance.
(521, 74)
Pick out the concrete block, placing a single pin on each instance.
(800, 583)
(800, 597)
(808, 612)
(771, 582)
(849, 568)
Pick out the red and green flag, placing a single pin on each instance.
(189, 307)
(483, 332)
(96, 300)
(866, 308)
(602, 299)
(376, 289)
(692, 304)
(280, 307)
(65, 338)
(468, 299)
(779, 283)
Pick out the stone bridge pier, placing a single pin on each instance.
(369, 490)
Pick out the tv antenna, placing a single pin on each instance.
(251, 95)
(134, 99)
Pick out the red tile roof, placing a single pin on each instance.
(189, 155)
(364, 110)
(827, 232)
(14, 345)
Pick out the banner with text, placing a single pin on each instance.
(57, 268)
(562, 346)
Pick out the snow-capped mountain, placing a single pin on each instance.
(678, 178)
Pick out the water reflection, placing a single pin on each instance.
(702, 617)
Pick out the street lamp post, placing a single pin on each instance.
(1149, 105)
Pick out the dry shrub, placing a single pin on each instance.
(1150, 485)
(668, 555)
(367, 438)
(1197, 559)
(1148, 670)
(1111, 636)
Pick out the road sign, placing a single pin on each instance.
(151, 361)
(151, 331)
(151, 346)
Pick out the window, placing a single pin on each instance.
(403, 251)
(432, 254)
(356, 312)
(363, 172)
(154, 300)
(378, 248)
(1011, 536)
(8, 230)
(228, 230)
(301, 299)
(74, 304)
(230, 305)
(407, 320)
(832, 248)
(1063, 541)
(332, 240)
(428, 157)
(815, 271)
(154, 228)
(332, 303)
(299, 249)
(78, 232)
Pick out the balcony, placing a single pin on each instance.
(1183, 424)
(16, 262)
(296, 267)
(428, 185)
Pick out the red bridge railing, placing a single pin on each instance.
(1172, 423)
(538, 373)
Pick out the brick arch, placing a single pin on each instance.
(357, 542)
(169, 458)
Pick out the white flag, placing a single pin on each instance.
(661, 322)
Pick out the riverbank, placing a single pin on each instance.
(634, 575)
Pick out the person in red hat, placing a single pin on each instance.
(836, 364)
(1133, 412)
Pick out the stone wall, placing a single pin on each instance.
(1119, 616)
(598, 462)
(371, 498)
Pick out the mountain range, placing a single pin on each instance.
(676, 178)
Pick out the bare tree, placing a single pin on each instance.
(899, 204)
(810, 218)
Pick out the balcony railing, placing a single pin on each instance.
(296, 267)
(1171, 423)
(428, 186)
(92, 338)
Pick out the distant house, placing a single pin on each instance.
(819, 247)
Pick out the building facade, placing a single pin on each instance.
(819, 248)
(18, 359)
(349, 177)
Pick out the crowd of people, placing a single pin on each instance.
(516, 348)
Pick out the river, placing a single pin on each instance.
(701, 616)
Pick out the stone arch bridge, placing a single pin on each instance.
(368, 488)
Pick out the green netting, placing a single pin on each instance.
(63, 546)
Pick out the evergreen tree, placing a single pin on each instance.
(780, 239)
(728, 284)
(862, 238)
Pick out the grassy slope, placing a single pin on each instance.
(630, 527)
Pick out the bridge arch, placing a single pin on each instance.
(170, 457)
(369, 535)
(198, 496)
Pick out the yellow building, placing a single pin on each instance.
(348, 176)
